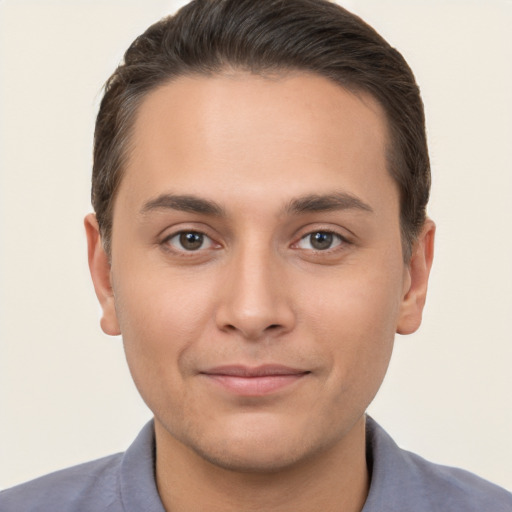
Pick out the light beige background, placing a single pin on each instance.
(65, 393)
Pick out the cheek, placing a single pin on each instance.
(159, 306)
(160, 319)
(355, 320)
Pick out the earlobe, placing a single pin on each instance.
(99, 266)
(415, 292)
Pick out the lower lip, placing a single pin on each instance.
(255, 386)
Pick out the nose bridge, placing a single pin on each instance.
(254, 300)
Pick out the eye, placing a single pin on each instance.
(189, 241)
(320, 241)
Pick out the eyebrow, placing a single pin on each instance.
(329, 202)
(184, 203)
(300, 205)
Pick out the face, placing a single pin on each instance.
(256, 271)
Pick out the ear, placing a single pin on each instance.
(416, 280)
(99, 266)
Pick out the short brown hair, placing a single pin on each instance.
(266, 36)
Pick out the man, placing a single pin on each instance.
(260, 183)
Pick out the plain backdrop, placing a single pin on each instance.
(65, 392)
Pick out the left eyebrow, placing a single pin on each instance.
(328, 202)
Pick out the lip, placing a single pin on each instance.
(254, 381)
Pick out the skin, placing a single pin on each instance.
(257, 289)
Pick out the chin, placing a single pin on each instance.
(258, 448)
(253, 457)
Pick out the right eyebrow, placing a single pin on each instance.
(183, 203)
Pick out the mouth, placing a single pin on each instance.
(254, 381)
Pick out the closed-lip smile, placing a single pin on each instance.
(254, 381)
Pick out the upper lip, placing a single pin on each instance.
(265, 370)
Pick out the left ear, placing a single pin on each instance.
(417, 274)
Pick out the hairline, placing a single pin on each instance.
(392, 155)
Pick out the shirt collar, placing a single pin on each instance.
(137, 475)
(396, 480)
(391, 473)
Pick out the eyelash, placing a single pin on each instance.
(339, 240)
(167, 242)
(335, 237)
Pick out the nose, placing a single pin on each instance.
(255, 302)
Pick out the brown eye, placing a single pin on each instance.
(189, 241)
(320, 241)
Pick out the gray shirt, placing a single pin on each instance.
(400, 482)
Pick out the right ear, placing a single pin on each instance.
(99, 266)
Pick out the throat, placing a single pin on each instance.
(334, 479)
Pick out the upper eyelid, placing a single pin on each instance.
(346, 237)
(181, 231)
(343, 240)
(344, 234)
(330, 231)
(170, 248)
(174, 234)
(171, 231)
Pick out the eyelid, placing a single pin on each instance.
(336, 243)
(306, 245)
(206, 240)
(346, 236)
(164, 242)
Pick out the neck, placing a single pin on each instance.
(334, 480)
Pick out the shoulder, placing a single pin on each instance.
(87, 487)
(122, 482)
(454, 489)
(403, 481)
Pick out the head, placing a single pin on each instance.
(209, 37)
(260, 181)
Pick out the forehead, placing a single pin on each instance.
(258, 133)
